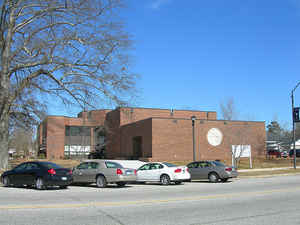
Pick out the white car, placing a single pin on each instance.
(165, 173)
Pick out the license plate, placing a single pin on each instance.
(64, 178)
(129, 172)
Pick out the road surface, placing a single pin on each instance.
(260, 201)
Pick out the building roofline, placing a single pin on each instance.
(190, 110)
(174, 118)
(165, 118)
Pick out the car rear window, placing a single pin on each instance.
(169, 164)
(219, 163)
(50, 165)
(113, 165)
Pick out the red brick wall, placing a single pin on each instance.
(172, 139)
(128, 132)
(113, 146)
(55, 137)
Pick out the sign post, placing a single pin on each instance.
(242, 151)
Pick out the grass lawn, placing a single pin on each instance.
(269, 173)
(257, 163)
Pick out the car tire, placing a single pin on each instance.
(101, 181)
(165, 179)
(178, 182)
(121, 184)
(63, 187)
(224, 180)
(213, 177)
(5, 181)
(39, 184)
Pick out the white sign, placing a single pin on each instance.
(241, 151)
(77, 150)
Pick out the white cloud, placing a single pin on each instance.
(158, 3)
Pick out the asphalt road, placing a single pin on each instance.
(259, 201)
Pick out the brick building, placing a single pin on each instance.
(149, 134)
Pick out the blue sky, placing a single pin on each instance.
(195, 54)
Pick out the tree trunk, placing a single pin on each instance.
(4, 141)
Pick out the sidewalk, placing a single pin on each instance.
(264, 169)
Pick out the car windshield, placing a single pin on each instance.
(50, 165)
(217, 163)
(169, 164)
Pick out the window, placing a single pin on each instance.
(82, 166)
(193, 165)
(169, 164)
(50, 165)
(94, 165)
(113, 165)
(156, 166)
(219, 164)
(20, 167)
(78, 131)
(145, 167)
(32, 166)
(204, 164)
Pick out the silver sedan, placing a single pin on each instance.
(102, 172)
(214, 171)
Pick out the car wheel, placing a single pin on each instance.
(63, 187)
(39, 184)
(213, 177)
(224, 180)
(101, 181)
(5, 181)
(165, 179)
(121, 184)
(178, 182)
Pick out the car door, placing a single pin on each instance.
(79, 173)
(30, 173)
(92, 171)
(17, 177)
(204, 169)
(155, 171)
(194, 170)
(143, 173)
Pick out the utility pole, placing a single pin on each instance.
(193, 118)
(295, 114)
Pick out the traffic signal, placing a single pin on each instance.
(296, 114)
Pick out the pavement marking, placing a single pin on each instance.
(140, 202)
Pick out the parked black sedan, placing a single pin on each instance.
(37, 174)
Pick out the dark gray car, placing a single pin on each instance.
(102, 172)
(214, 171)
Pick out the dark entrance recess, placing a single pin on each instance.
(137, 143)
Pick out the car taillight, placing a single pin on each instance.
(228, 169)
(70, 172)
(187, 169)
(177, 170)
(119, 172)
(52, 171)
(134, 172)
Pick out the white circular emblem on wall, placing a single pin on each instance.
(214, 136)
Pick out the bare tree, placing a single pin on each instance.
(73, 50)
(228, 110)
(22, 141)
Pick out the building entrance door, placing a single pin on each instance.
(137, 143)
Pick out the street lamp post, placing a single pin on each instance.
(193, 118)
(293, 115)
